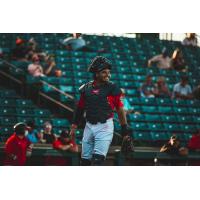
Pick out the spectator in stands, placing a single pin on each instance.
(47, 135)
(35, 69)
(33, 135)
(173, 147)
(17, 147)
(163, 61)
(127, 107)
(77, 43)
(182, 90)
(161, 89)
(50, 67)
(20, 51)
(148, 88)
(190, 40)
(177, 61)
(196, 92)
(194, 142)
(65, 142)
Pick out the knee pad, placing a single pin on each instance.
(85, 162)
(97, 159)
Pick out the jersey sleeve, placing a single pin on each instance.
(116, 94)
(9, 147)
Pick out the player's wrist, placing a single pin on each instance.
(124, 130)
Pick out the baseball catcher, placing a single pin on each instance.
(98, 99)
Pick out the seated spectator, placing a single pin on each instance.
(196, 92)
(33, 135)
(20, 51)
(47, 135)
(77, 43)
(50, 67)
(173, 147)
(162, 61)
(35, 69)
(127, 107)
(148, 88)
(161, 89)
(177, 61)
(194, 142)
(17, 146)
(65, 142)
(182, 90)
(190, 40)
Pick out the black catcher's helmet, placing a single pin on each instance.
(98, 64)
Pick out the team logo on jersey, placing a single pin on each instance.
(95, 91)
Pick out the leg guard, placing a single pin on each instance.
(98, 159)
(85, 162)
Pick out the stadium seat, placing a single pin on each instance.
(169, 118)
(139, 126)
(165, 109)
(60, 122)
(171, 127)
(155, 126)
(141, 136)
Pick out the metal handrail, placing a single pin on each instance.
(41, 81)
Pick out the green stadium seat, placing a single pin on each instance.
(181, 110)
(39, 122)
(141, 136)
(185, 119)
(149, 109)
(169, 118)
(9, 121)
(164, 101)
(155, 126)
(153, 118)
(7, 102)
(165, 109)
(196, 119)
(159, 136)
(67, 89)
(7, 111)
(171, 127)
(42, 113)
(139, 126)
(178, 103)
(24, 112)
(6, 131)
(148, 101)
(60, 122)
(137, 118)
(24, 103)
(194, 111)
(188, 128)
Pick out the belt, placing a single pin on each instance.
(96, 122)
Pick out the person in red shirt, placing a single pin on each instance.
(17, 147)
(194, 142)
(65, 142)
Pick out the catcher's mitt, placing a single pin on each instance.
(127, 145)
